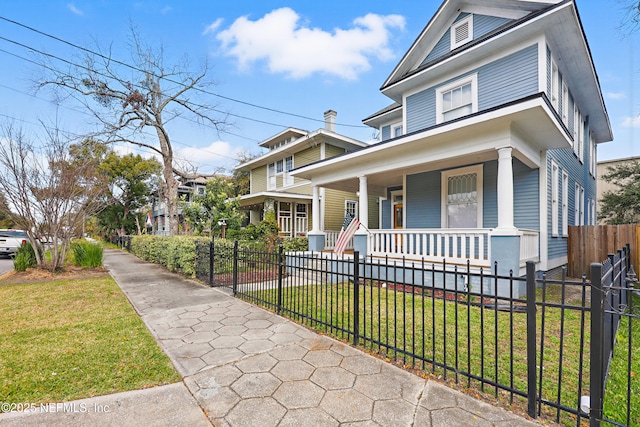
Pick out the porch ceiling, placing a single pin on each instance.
(257, 198)
(528, 127)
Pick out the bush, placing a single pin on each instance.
(87, 254)
(25, 257)
(296, 244)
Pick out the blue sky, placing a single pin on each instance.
(297, 57)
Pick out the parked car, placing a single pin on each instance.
(10, 241)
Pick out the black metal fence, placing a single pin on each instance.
(542, 351)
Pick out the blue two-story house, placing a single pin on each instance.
(488, 149)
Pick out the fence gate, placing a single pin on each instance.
(214, 263)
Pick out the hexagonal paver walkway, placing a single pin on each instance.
(247, 366)
(244, 366)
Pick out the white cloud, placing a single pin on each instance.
(212, 28)
(288, 47)
(615, 95)
(74, 9)
(218, 154)
(631, 122)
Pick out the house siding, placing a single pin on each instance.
(423, 200)
(332, 151)
(259, 179)
(489, 194)
(506, 79)
(482, 24)
(386, 132)
(334, 207)
(386, 208)
(568, 162)
(374, 213)
(307, 156)
(526, 196)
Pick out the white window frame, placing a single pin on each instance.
(396, 130)
(580, 151)
(576, 127)
(555, 177)
(592, 156)
(555, 84)
(565, 204)
(351, 206)
(473, 79)
(565, 103)
(592, 216)
(579, 205)
(271, 176)
(444, 178)
(466, 21)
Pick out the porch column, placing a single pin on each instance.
(505, 189)
(316, 235)
(505, 239)
(361, 238)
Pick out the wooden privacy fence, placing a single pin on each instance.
(592, 243)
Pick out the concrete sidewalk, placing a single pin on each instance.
(244, 366)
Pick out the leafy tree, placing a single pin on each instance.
(622, 206)
(129, 100)
(242, 179)
(216, 204)
(131, 180)
(49, 191)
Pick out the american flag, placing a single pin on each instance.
(349, 228)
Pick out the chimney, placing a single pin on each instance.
(330, 120)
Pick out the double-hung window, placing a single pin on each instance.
(457, 99)
(278, 173)
(271, 176)
(554, 198)
(351, 206)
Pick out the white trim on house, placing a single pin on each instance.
(444, 182)
(565, 204)
(555, 182)
(462, 32)
(450, 88)
(544, 219)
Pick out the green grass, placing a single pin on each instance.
(413, 323)
(622, 375)
(66, 340)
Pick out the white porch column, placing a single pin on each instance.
(363, 208)
(315, 211)
(505, 189)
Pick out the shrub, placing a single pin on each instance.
(87, 254)
(25, 257)
(296, 244)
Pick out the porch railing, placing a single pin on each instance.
(529, 246)
(331, 236)
(456, 245)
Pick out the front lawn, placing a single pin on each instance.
(70, 339)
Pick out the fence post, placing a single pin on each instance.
(596, 380)
(356, 297)
(212, 251)
(532, 393)
(235, 267)
(280, 275)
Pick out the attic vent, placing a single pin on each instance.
(462, 32)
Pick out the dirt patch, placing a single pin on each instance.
(35, 275)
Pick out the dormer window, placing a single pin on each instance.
(462, 32)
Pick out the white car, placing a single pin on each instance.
(10, 241)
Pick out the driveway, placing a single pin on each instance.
(6, 264)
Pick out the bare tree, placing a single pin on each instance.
(48, 192)
(630, 21)
(127, 99)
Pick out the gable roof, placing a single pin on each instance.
(558, 21)
(446, 14)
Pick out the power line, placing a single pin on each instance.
(228, 98)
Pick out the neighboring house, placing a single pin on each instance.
(602, 168)
(488, 151)
(274, 189)
(189, 187)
